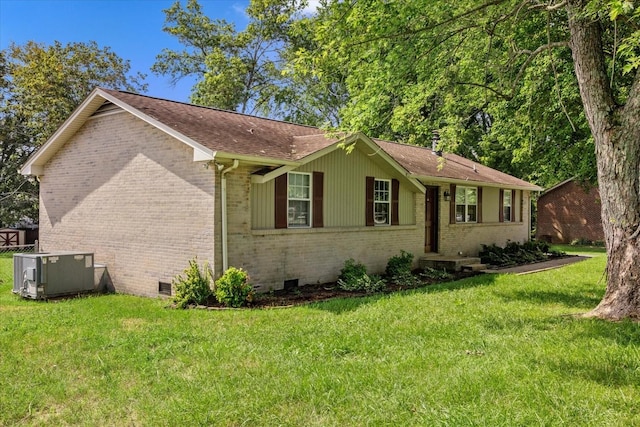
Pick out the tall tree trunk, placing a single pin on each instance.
(616, 132)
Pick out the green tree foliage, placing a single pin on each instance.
(234, 70)
(309, 95)
(41, 85)
(250, 71)
(495, 78)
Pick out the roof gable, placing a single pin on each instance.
(322, 145)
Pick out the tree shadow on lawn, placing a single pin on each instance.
(347, 304)
(570, 299)
(612, 359)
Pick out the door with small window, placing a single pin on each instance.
(431, 220)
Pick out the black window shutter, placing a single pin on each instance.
(521, 204)
(281, 201)
(369, 200)
(318, 195)
(479, 206)
(501, 206)
(395, 191)
(452, 204)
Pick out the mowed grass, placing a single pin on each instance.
(487, 351)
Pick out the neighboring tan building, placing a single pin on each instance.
(569, 211)
(148, 184)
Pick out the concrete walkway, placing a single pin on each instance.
(538, 266)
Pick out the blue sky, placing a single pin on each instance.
(131, 28)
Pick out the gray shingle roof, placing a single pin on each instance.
(241, 134)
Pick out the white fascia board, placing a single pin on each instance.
(288, 167)
(254, 160)
(35, 163)
(261, 179)
(351, 139)
(377, 150)
(33, 170)
(436, 179)
(203, 156)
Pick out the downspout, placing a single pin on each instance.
(223, 196)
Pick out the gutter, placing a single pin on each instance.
(223, 196)
(426, 178)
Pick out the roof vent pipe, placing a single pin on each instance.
(435, 140)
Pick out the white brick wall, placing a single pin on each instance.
(134, 196)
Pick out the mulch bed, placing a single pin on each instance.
(323, 292)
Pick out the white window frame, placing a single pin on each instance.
(466, 204)
(507, 194)
(291, 215)
(381, 202)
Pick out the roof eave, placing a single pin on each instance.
(346, 141)
(422, 178)
(35, 163)
(254, 160)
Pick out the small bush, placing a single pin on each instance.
(536, 245)
(435, 274)
(515, 253)
(233, 289)
(354, 277)
(351, 272)
(195, 288)
(399, 266)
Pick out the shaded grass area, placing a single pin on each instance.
(580, 250)
(488, 350)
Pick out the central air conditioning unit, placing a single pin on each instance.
(47, 275)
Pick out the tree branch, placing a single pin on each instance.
(532, 55)
(489, 88)
(555, 76)
(408, 32)
(590, 68)
(549, 7)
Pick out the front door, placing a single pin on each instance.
(431, 220)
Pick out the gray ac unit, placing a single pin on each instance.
(47, 275)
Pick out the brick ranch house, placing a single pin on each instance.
(148, 184)
(568, 211)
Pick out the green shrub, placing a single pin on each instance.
(399, 266)
(536, 245)
(366, 283)
(586, 242)
(435, 274)
(352, 272)
(195, 288)
(515, 253)
(233, 289)
(354, 277)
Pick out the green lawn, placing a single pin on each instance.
(487, 351)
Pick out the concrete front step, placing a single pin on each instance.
(474, 267)
(440, 262)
